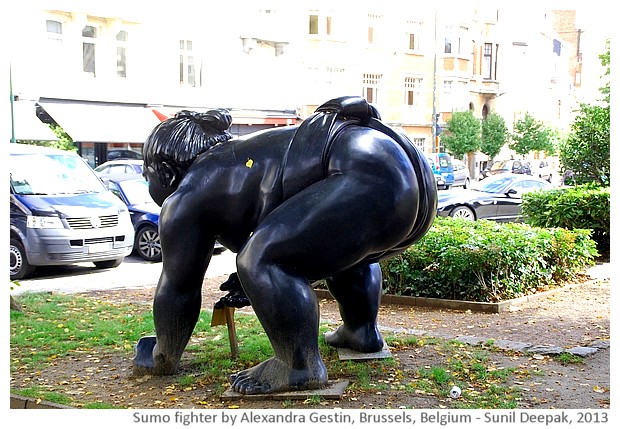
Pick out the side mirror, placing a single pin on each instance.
(511, 192)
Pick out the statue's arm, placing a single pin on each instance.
(186, 248)
(187, 244)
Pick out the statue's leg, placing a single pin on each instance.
(358, 293)
(366, 205)
(288, 310)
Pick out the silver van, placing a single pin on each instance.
(61, 213)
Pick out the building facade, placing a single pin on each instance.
(108, 72)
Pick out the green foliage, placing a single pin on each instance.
(584, 206)
(486, 261)
(531, 135)
(606, 62)
(494, 135)
(64, 142)
(462, 134)
(586, 151)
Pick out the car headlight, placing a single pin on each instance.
(124, 218)
(44, 222)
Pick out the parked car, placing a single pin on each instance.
(443, 164)
(120, 166)
(542, 169)
(133, 190)
(123, 154)
(497, 197)
(61, 213)
(515, 166)
(439, 180)
(461, 174)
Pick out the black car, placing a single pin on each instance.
(497, 197)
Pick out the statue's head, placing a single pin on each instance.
(174, 144)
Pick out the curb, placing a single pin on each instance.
(24, 403)
(450, 304)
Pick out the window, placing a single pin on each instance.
(455, 95)
(121, 54)
(54, 32)
(374, 21)
(187, 64)
(419, 142)
(54, 42)
(446, 98)
(370, 87)
(325, 81)
(314, 24)
(333, 76)
(414, 30)
(89, 38)
(455, 39)
(413, 87)
(320, 24)
(487, 60)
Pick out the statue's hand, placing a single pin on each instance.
(143, 363)
(232, 283)
(235, 297)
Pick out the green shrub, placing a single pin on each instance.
(486, 261)
(584, 206)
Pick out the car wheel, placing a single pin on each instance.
(463, 212)
(466, 184)
(113, 263)
(19, 266)
(147, 244)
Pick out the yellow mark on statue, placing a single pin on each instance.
(250, 163)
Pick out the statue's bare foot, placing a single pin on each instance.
(144, 363)
(274, 375)
(365, 339)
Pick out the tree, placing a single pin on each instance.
(586, 150)
(605, 62)
(64, 142)
(531, 135)
(494, 135)
(462, 134)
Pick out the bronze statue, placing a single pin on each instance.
(327, 199)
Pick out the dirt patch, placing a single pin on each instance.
(579, 316)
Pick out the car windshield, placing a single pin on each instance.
(45, 174)
(136, 191)
(492, 184)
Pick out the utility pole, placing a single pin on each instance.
(434, 126)
(12, 111)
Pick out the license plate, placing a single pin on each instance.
(98, 247)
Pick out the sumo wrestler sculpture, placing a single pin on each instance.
(327, 199)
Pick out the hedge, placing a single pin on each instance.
(582, 206)
(486, 261)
